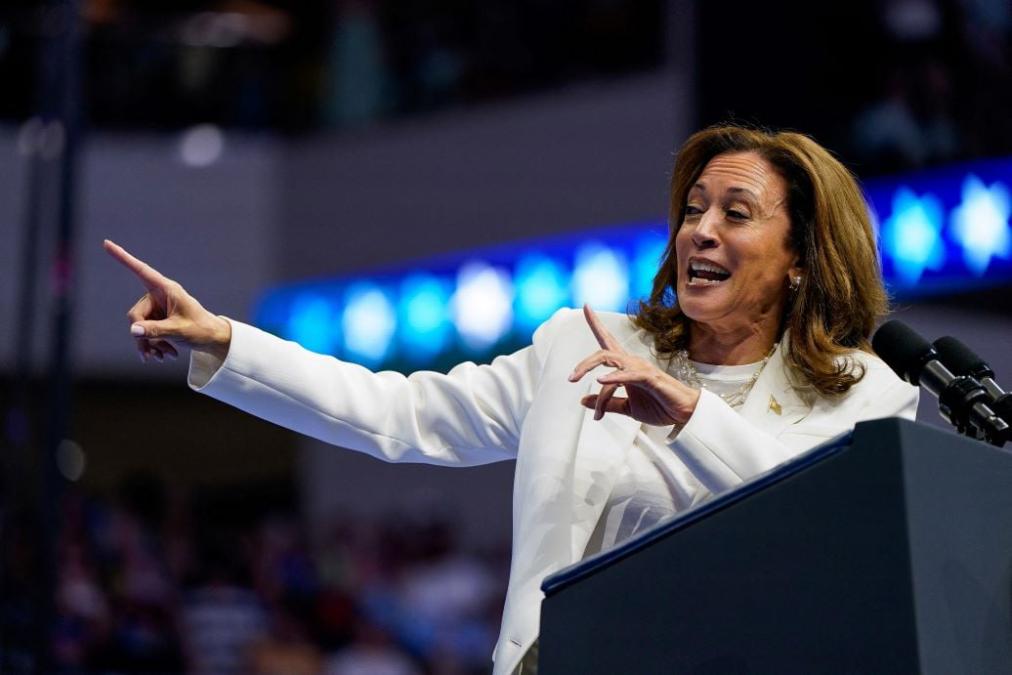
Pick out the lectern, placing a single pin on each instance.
(885, 551)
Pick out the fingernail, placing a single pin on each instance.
(137, 330)
(572, 377)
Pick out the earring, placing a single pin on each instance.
(795, 283)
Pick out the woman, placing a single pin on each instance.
(765, 354)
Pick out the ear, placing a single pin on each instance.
(795, 273)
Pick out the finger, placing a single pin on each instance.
(616, 404)
(154, 349)
(628, 376)
(144, 309)
(603, 336)
(603, 396)
(166, 328)
(155, 352)
(148, 275)
(166, 348)
(143, 350)
(599, 358)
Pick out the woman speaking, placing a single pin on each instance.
(752, 348)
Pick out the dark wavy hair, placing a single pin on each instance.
(841, 295)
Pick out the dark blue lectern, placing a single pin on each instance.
(888, 551)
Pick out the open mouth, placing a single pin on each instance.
(706, 273)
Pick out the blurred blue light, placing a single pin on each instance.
(980, 223)
(311, 323)
(646, 263)
(482, 305)
(601, 278)
(368, 323)
(941, 230)
(912, 235)
(424, 326)
(541, 288)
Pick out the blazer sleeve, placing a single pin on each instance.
(723, 449)
(471, 415)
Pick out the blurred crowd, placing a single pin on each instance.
(889, 84)
(154, 583)
(942, 85)
(310, 64)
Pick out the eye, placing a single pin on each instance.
(692, 210)
(734, 214)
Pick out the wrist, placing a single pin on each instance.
(219, 337)
(222, 335)
(688, 407)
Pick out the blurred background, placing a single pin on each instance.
(405, 185)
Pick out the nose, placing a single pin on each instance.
(704, 234)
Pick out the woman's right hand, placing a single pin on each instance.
(167, 317)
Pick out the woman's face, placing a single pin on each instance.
(734, 256)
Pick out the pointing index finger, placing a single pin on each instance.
(604, 337)
(150, 277)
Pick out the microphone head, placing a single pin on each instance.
(903, 349)
(960, 359)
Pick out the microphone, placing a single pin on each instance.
(962, 401)
(964, 361)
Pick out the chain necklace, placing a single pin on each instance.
(688, 374)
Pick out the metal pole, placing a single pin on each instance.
(66, 91)
(49, 142)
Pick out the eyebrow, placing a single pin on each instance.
(736, 190)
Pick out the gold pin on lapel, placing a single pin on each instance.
(774, 406)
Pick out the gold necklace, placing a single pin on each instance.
(689, 374)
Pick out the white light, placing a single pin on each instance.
(368, 324)
(70, 460)
(482, 305)
(201, 145)
(601, 278)
(980, 223)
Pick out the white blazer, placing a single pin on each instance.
(523, 407)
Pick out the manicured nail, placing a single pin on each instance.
(572, 377)
(137, 330)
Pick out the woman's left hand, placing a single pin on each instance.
(652, 396)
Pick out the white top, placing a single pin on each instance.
(654, 483)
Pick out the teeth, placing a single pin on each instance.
(700, 281)
(705, 273)
(700, 266)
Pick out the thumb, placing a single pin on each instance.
(166, 328)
